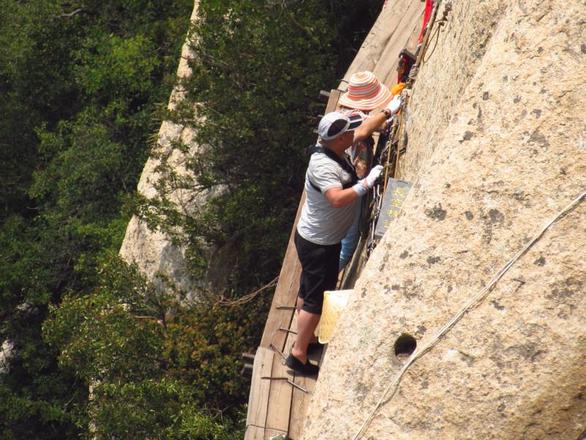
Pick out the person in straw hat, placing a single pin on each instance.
(365, 93)
(332, 194)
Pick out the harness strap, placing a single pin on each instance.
(346, 166)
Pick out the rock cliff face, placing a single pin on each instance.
(153, 252)
(497, 147)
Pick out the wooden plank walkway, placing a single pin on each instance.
(277, 406)
(257, 408)
(281, 404)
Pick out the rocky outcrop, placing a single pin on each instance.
(6, 351)
(497, 147)
(153, 251)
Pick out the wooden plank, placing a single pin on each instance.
(299, 400)
(411, 44)
(259, 389)
(333, 101)
(405, 36)
(279, 399)
(290, 337)
(397, 22)
(281, 392)
(280, 403)
(285, 293)
(254, 433)
(259, 433)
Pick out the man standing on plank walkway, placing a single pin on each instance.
(332, 191)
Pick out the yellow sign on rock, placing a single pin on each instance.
(391, 207)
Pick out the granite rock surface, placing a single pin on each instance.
(497, 148)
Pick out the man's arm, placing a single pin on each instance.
(368, 127)
(339, 197)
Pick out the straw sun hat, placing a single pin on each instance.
(365, 92)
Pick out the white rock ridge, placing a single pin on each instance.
(153, 252)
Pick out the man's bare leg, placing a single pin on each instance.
(306, 324)
(299, 304)
(299, 307)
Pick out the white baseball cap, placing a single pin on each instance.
(335, 124)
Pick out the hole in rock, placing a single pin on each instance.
(405, 345)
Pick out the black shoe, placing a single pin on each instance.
(306, 369)
(314, 347)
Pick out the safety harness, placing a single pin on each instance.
(344, 163)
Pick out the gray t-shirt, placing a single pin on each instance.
(320, 222)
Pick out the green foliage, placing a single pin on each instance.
(203, 347)
(22, 417)
(78, 91)
(154, 410)
(110, 65)
(152, 361)
(257, 68)
(100, 340)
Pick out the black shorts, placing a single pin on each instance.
(319, 272)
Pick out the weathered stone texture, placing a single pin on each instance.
(6, 350)
(455, 50)
(506, 155)
(153, 252)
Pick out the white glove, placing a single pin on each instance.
(365, 184)
(394, 105)
(373, 175)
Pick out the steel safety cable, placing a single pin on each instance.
(472, 303)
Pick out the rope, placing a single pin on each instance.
(436, 32)
(472, 303)
(223, 301)
(442, 21)
(423, 47)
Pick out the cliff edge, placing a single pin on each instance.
(153, 251)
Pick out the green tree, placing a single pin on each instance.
(256, 72)
(79, 85)
(257, 69)
(82, 87)
(153, 362)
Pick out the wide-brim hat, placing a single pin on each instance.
(365, 92)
